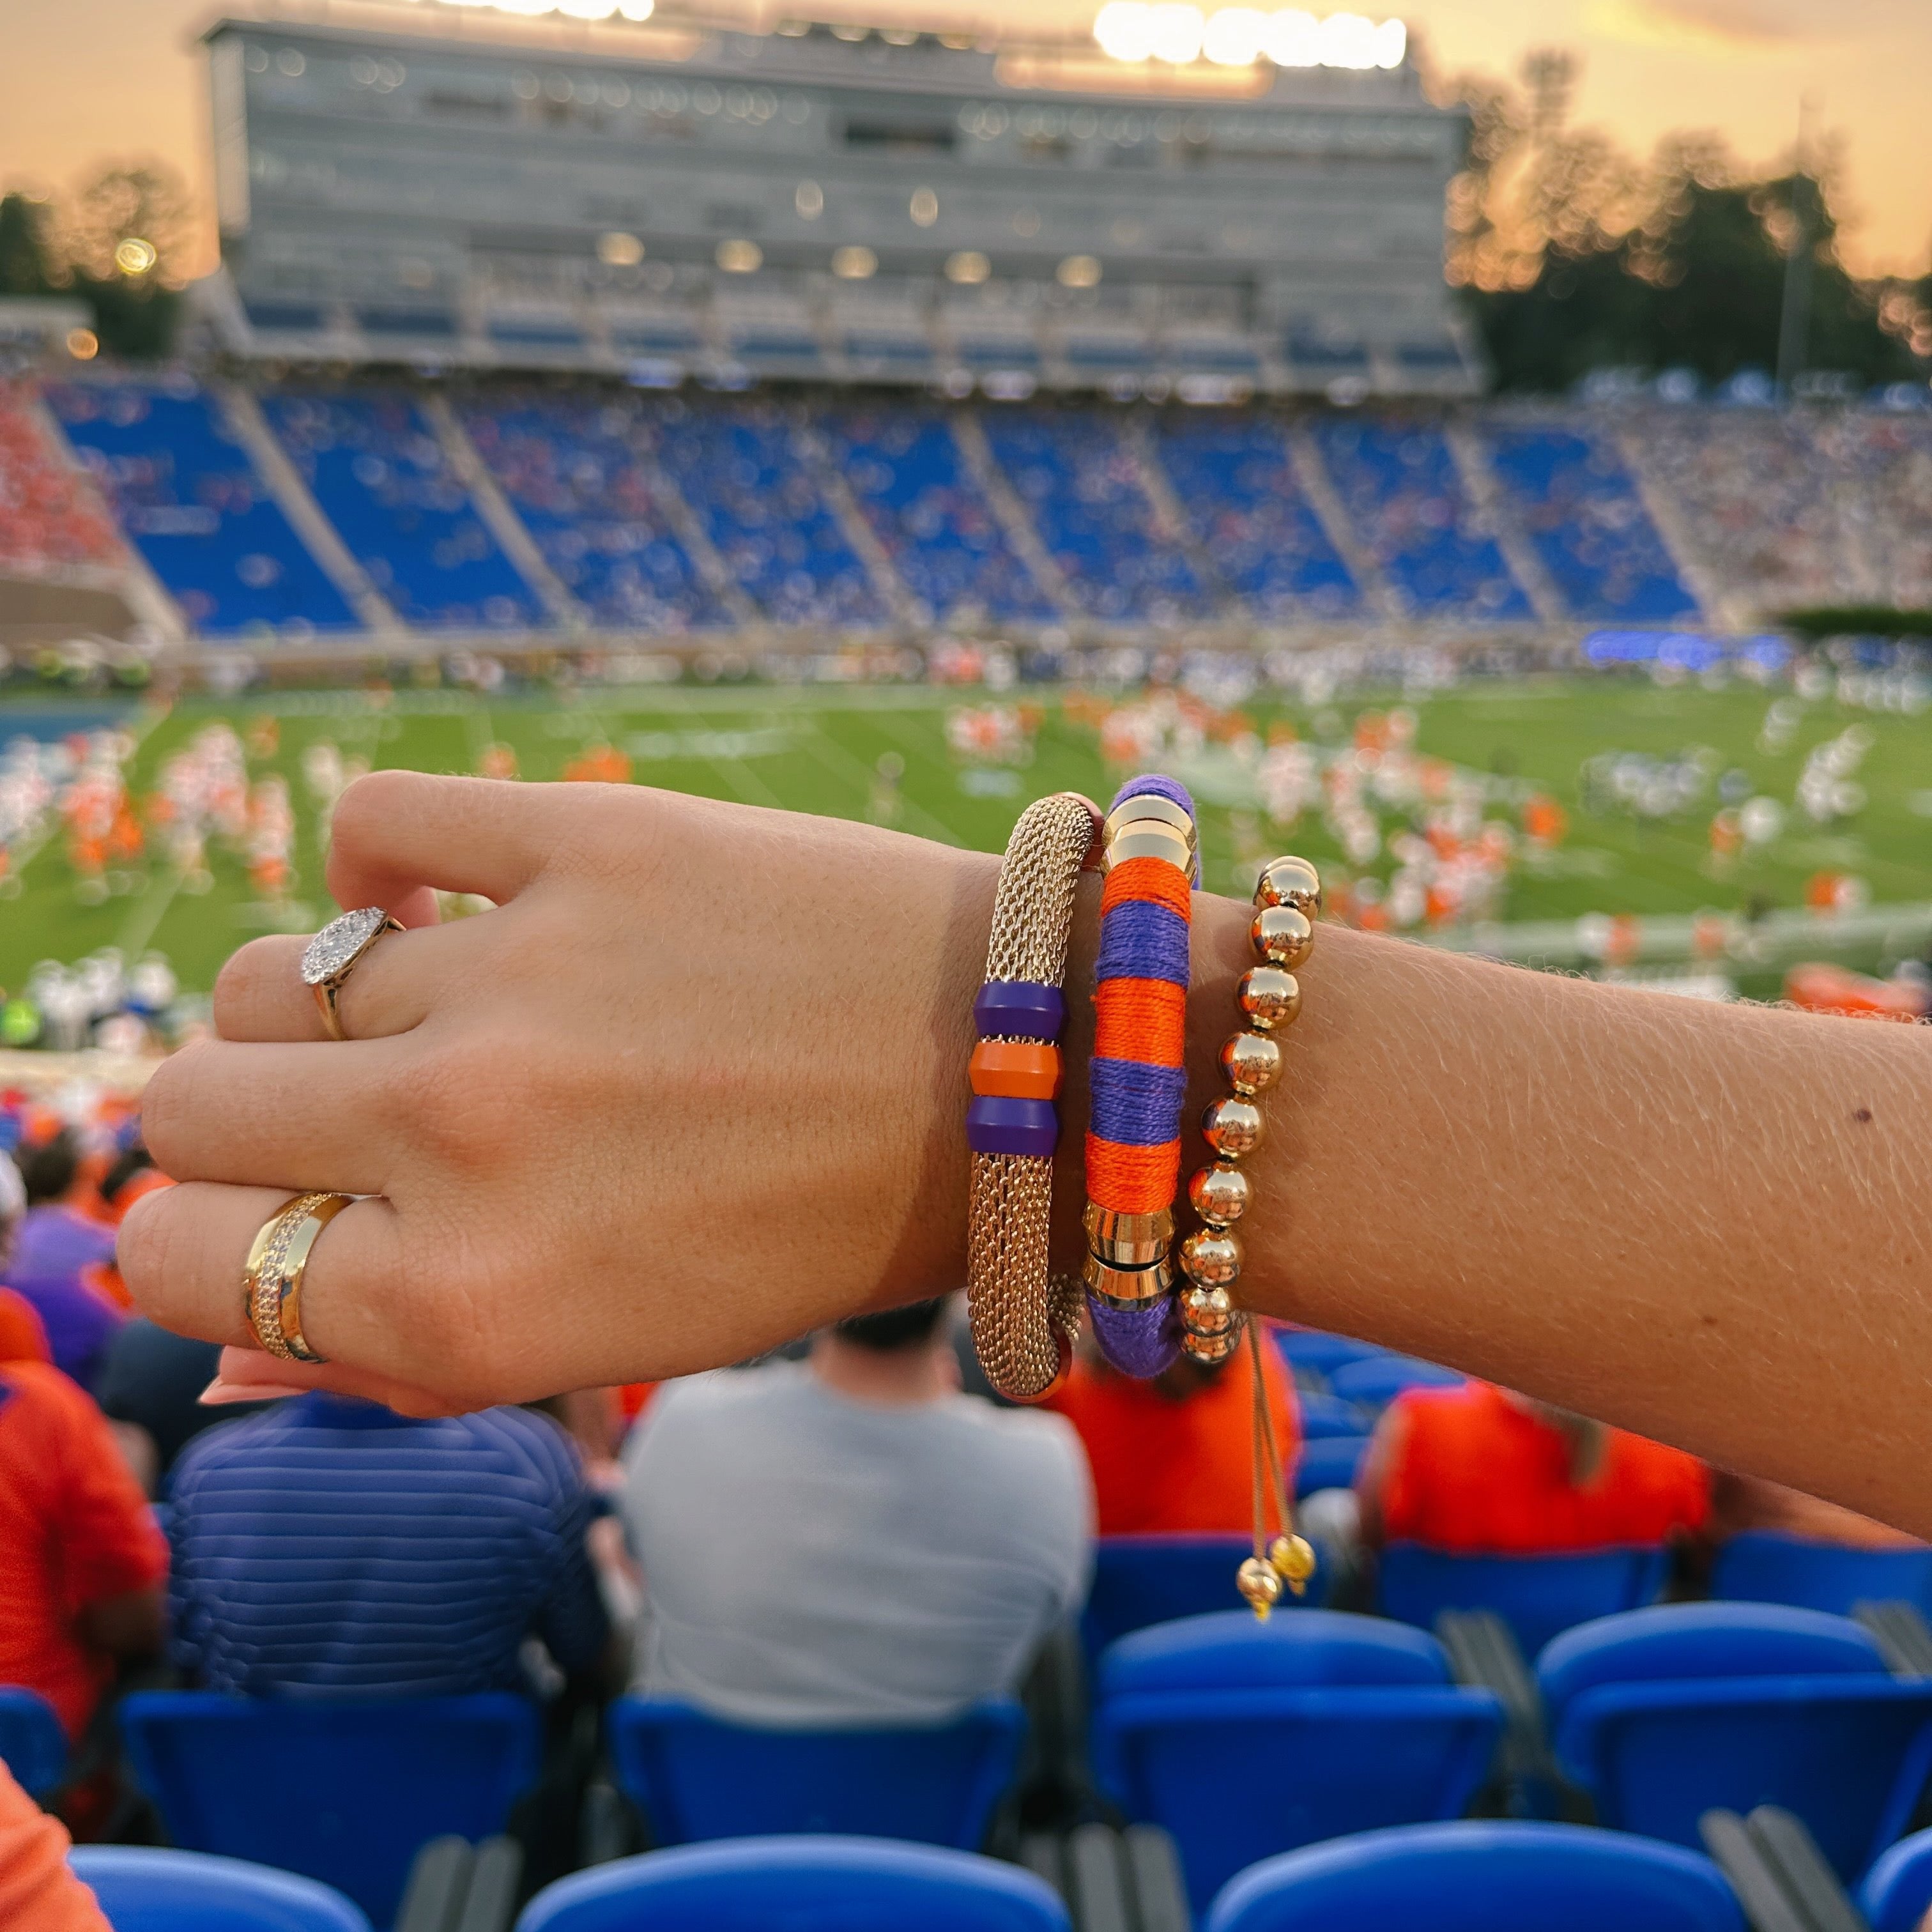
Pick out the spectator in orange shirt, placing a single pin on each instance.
(1480, 1470)
(1173, 1456)
(23, 1335)
(82, 1562)
(37, 1890)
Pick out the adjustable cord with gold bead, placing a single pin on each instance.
(1288, 896)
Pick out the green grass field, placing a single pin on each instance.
(817, 750)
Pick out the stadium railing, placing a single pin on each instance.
(1501, 1877)
(1244, 1739)
(1662, 1715)
(831, 1884)
(696, 1777)
(344, 1791)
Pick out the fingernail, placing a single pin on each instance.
(223, 1389)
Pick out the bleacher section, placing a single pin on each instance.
(1580, 507)
(748, 472)
(375, 467)
(577, 471)
(814, 502)
(48, 518)
(187, 494)
(1398, 481)
(914, 487)
(1080, 479)
(1233, 475)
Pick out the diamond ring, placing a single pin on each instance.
(335, 952)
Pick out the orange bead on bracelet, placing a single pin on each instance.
(1015, 1070)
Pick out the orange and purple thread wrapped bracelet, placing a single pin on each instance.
(1138, 1080)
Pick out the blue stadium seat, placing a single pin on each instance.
(1082, 484)
(1377, 1381)
(1538, 1597)
(1760, 1567)
(1481, 1878)
(925, 506)
(801, 1885)
(375, 1780)
(141, 1890)
(1399, 481)
(1582, 510)
(1328, 1462)
(33, 1747)
(1243, 1739)
(1323, 1415)
(1139, 1580)
(1319, 1353)
(1244, 500)
(1897, 1891)
(188, 495)
(580, 472)
(376, 467)
(697, 1777)
(1662, 1713)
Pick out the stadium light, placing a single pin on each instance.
(854, 264)
(134, 257)
(1154, 30)
(573, 10)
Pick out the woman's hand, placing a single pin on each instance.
(695, 1086)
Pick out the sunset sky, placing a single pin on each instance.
(85, 80)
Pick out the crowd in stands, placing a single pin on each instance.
(375, 466)
(850, 1534)
(48, 516)
(1402, 490)
(581, 475)
(191, 501)
(670, 515)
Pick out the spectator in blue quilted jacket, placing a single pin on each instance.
(329, 1546)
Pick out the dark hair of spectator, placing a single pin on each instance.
(906, 1328)
(48, 1167)
(129, 1162)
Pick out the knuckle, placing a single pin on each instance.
(244, 976)
(373, 802)
(168, 1107)
(461, 1101)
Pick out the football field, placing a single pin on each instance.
(1638, 770)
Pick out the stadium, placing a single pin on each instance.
(907, 428)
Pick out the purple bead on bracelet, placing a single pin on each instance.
(995, 1124)
(1019, 1009)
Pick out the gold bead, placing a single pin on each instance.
(1127, 1289)
(1251, 1061)
(1290, 882)
(1268, 996)
(1284, 935)
(1206, 1312)
(1128, 1241)
(1260, 1582)
(1211, 1257)
(1211, 1351)
(1293, 1558)
(1220, 1194)
(1150, 805)
(1231, 1127)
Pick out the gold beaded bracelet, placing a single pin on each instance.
(1288, 896)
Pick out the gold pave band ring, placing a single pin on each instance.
(272, 1283)
(335, 952)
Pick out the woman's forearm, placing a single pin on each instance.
(1705, 1223)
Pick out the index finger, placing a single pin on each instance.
(395, 832)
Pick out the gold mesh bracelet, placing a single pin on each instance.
(1024, 1320)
